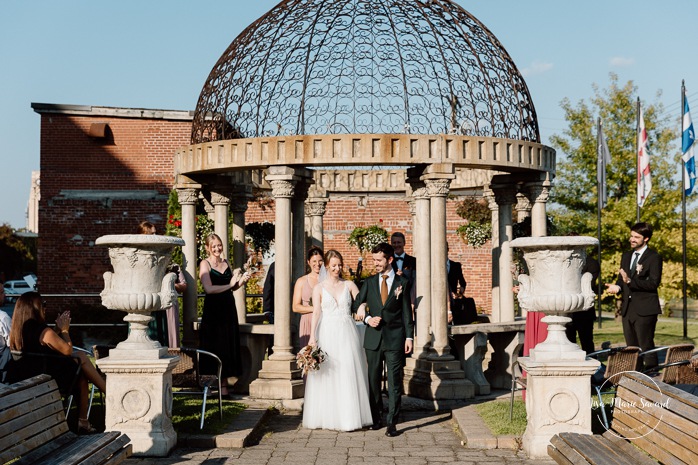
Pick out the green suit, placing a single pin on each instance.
(387, 341)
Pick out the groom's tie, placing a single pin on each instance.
(633, 266)
(384, 288)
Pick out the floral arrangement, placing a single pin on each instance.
(309, 358)
(367, 238)
(475, 234)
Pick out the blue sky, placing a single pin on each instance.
(157, 54)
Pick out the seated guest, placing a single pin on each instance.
(31, 335)
(5, 323)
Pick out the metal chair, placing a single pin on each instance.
(669, 370)
(518, 383)
(98, 351)
(187, 378)
(619, 360)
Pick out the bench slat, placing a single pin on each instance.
(114, 452)
(32, 442)
(681, 402)
(595, 449)
(10, 389)
(45, 450)
(564, 454)
(678, 430)
(663, 437)
(635, 455)
(652, 449)
(30, 404)
(83, 447)
(26, 426)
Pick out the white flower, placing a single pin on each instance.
(398, 291)
(638, 268)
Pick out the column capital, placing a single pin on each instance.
(539, 192)
(489, 196)
(208, 207)
(281, 188)
(188, 195)
(437, 187)
(316, 206)
(220, 197)
(523, 205)
(504, 194)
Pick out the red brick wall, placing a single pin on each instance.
(138, 156)
(343, 214)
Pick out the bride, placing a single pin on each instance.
(336, 395)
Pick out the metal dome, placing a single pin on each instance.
(365, 67)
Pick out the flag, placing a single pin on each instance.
(644, 180)
(688, 138)
(603, 159)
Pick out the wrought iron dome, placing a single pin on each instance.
(365, 67)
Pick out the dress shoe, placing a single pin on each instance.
(391, 431)
(377, 426)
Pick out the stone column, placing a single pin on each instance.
(315, 210)
(422, 250)
(437, 190)
(494, 208)
(523, 207)
(280, 377)
(220, 199)
(539, 194)
(505, 196)
(298, 250)
(188, 195)
(239, 207)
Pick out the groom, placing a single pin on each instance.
(389, 333)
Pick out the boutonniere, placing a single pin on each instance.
(398, 291)
(638, 268)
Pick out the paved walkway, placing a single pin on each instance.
(427, 438)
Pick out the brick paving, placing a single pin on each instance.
(427, 438)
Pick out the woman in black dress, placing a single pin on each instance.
(220, 332)
(31, 335)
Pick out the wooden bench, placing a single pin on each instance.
(33, 427)
(651, 423)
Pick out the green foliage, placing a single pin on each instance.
(366, 238)
(17, 254)
(475, 234)
(261, 235)
(574, 200)
(474, 209)
(478, 228)
(204, 227)
(254, 305)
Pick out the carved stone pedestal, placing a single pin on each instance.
(278, 379)
(139, 401)
(427, 379)
(558, 399)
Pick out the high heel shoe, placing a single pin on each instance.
(84, 427)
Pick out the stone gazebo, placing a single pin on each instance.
(423, 88)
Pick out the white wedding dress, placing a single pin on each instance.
(336, 395)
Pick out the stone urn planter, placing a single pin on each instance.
(139, 284)
(555, 286)
(139, 371)
(558, 392)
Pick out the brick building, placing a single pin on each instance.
(103, 170)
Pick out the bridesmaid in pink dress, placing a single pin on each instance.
(303, 291)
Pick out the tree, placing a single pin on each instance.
(17, 254)
(575, 195)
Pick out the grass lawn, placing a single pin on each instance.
(495, 414)
(669, 331)
(186, 413)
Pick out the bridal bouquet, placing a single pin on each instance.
(309, 358)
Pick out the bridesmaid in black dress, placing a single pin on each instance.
(220, 332)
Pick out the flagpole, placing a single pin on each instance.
(637, 159)
(683, 215)
(599, 206)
